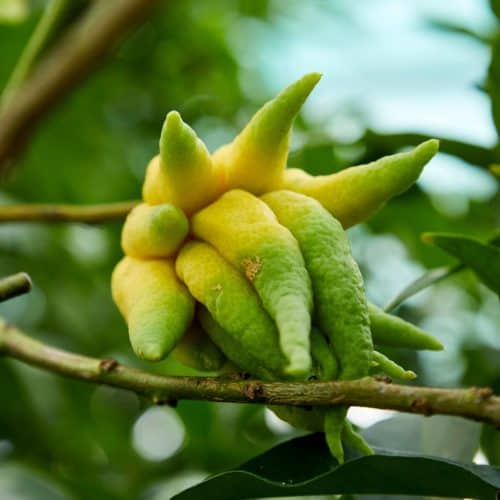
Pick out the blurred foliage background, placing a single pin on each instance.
(390, 67)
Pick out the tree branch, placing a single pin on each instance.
(71, 60)
(14, 285)
(90, 214)
(473, 403)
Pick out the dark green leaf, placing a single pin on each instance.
(483, 258)
(458, 29)
(490, 444)
(378, 144)
(440, 436)
(495, 7)
(429, 278)
(303, 466)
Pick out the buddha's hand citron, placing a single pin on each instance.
(220, 277)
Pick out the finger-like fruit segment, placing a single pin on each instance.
(355, 440)
(156, 305)
(391, 331)
(334, 425)
(156, 189)
(196, 350)
(340, 304)
(391, 368)
(356, 193)
(255, 160)
(245, 231)
(233, 303)
(326, 367)
(312, 419)
(183, 172)
(233, 348)
(154, 231)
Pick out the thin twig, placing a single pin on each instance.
(12, 286)
(48, 23)
(473, 403)
(90, 214)
(65, 66)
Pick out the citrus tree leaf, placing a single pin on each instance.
(483, 258)
(431, 278)
(304, 466)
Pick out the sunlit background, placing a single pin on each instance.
(389, 66)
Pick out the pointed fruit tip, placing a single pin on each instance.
(436, 345)
(172, 125)
(426, 150)
(312, 78)
(148, 351)
(299, 90)
(177, 141)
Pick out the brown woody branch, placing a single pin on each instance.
(85, 45)
(473, 403)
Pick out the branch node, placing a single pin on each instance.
(383, 378)
(107, 365)
(483, 393)
(422, 405)
(253, 390)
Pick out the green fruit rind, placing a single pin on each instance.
(355, 440)
(155, 231)
(233, 349)
(391, 368)
(156, 305)
(356, 193)
(233, 303)
(323, 358)
(311, 419)
(246, 233)
(257, 157)
(185, 165)
(391, 331)
(196, 350)
(333, 426)
(340, 303)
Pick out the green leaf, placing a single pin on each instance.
(430, 278)
(303, 466)
(483, 258)
(490, 444)
(442, 436)
(458, 29)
